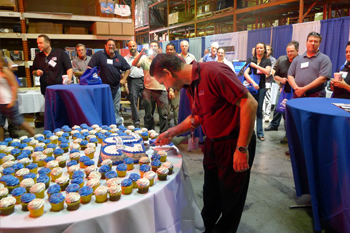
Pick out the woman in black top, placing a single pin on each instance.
(341, 88)
(259, 65)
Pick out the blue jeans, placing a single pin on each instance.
(259, 116)
(151, 98)
(116, 95)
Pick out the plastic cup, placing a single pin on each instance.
(337, 76)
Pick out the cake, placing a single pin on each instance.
(73, 201)
(162, 173)
(101, 194)
(25, 199)
(7, 205)
(38, 190)
(36, 207)
(111, 152)
(127, 186)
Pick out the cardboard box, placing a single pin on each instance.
(100, 28)
(210, 7)
(75, 30)
(170, 19)
(46, 28)
(30, 119)
(105, 1)
(16, 55)
(128, 29)
(57, 28)
(8, 3)
(32, 28)
(182, 17)
(115, 29)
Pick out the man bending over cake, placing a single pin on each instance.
(226, 111)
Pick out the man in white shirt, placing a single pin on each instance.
(134, 86)
(188, 57)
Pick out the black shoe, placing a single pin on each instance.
(271, 128)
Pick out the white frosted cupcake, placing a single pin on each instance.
(144, 160)
(8, 158)
(90, 169)
(95, 175)
(36, 207)
(73, 201)
(72, 169)
(22, 138)
(113, 126)
(40, 144)
(75, 146)
(128, 131)
(39, 159)
(75, 156)
(38, 135)
(16, 140)
(7, 205)
(36, 154)
(163, 155)
(38, 190)
(63, 182)
(77, 141)
(131, 127)
(115, 192)
(48, 151)
(84, 130)
(91, 145)
(59, 133)
(61, 161)
(90, 152)
(92, 132)
(113, 181)
(33, 143)
(162, 173)
(24, 161)
(108, 162)
(3, 191)
(101, 194)
(30, 148)
(75, 127)
(143, 185)
(8, 149)
(94, 126)
(56, 173)
(21, 172)
(8, 163)
(93, 183)
(150, 175)
(170, 167)
(144, 129)
(27, 184)
(52, 164)
(90, 136)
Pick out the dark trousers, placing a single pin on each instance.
(150, 99)
(276, 115)
(224, 190)
(135, 93)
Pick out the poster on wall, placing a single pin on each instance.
(226, 41)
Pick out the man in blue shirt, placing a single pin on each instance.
(212, 55)
(111, 63)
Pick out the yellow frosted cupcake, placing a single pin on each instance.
(7, 205)
(73, 201)
(101, 194)
(115, 192)
(36, 207)
(38, 189)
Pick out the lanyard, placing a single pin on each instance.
(195, 87)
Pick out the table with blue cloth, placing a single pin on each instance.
(318, 138)
(77, 104)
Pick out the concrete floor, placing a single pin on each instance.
(271, 189)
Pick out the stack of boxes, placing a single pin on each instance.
(105, 28)
(180, 17)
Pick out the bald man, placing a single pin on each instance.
(212, 56)
(188, 57)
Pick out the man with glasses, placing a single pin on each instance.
(309, 72)
(212, 55)
(50, 64)
(81, 62)
(111, 63)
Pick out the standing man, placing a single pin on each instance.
(188, 57)
(170, 49)
(134, 86)
(308, 73)
(50, 64)
(212, 55)
(81, 62)
(226, 111)
(206, 51)
(111, 63)
(154, 92)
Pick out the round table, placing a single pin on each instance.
(318, 138)
(169, 206)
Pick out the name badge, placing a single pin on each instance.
(110, 61)
(343, 74)
(52, 63)
(304, 65)
(54, 58)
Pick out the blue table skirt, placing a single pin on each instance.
(76, 104)
(319, 143)
(185, 111)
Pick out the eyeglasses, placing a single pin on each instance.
(314, 34)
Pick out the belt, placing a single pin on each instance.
(233, 134)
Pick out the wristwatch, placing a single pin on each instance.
(242, 149)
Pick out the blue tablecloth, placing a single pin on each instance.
(76, 104)
(318, 137)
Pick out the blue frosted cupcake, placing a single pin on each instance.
(72, 188)
(64, 147)
(33, 168)
(58, 152)
(89, 163)
(25, 199)
(22, 146)
(127, 186)
(52, 146)
(17, 166)
(45, 180)
(85, 193)
(12, 183)
(74, 151)
(121, 170)
(143, 169)
(100, 138)
(111, 175)
(155, 165)
(57, 202)
(27, 140)
(30, 175)
(78, 174)
(17, 193)
(21, 156)
(78, 181)
(72, 163)
(107, 134)
(47, 142)
(83, 143)
(15, 152)
(155, 157)
(144, 136)
(39, 149)
(82, 160)
(65, 135)
(44, 171)
(5, 178)
(129, 163)
(8, 171)
(53, 189)
(15, 144)
(48, 159)
(93, 140)
(103, 170)
(134, 177)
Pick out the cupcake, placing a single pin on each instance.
(9, 171)
(162, 173)
(121, 170)
(134, 177)
(7, 205)
(111, 175)
(113, 181)
(63, 182)
(17, 193)
(155, 157)
(127, 186)
(54, 139)
(33, 143)
(89, 163)
(115, 192)
(78, 181)
(91, 145)
(103, 170)
(57, 202)
(56, 173)
(131, 127)
(8, 158)
(58, 152)
(143, 169)
(22, 156)
(45, 180)
(25, 199)
(143, 185)
(48, 152)
(75, 146)
(163, 155)
(12, 183)
(170, 167)
(15, 152)
(144, 136)
(40, 160)
(89, 169)
(107, 162)
(77, 140)
(93, 140)
(27, 184)
(8, 164)
(150, 175)
(17, 166)
(101, 194)
(61, 161)
(53, 189)
(94, 175)
(36, 207)
(83, 144)
(52, 164)
(93, 183)
(75, 156)
(100, 138)
(155, 165)
(44, 171)
(39, 147)
(86, 194)
(129, 163)
(72, 163)
(82, 160)
(22, 138)
(5, 178)
(24, 161)
(153, 135)
(21, 173)
(38, 189)
(33, 168)
(30, 175)
(51, 146)
(8, 150)
(72, 169)
(3, 192)
(72, 188)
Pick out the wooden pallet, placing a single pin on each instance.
(206, 14)
(223, 11)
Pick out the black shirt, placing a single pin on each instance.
(263, 63)
(282, 71)
(340, 92)
(54, 66)
(109, 67)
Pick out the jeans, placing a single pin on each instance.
(116, 95)
(259, 116)
(135, 93)
(174, 105)
(150, 99)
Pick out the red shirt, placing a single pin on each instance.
(218, 90)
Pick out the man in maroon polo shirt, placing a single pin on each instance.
(226, 111)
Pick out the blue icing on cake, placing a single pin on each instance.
(32, 166)
(58, 151)
(43, 179)
(22, 146)
(85, 191)
(48, 159)
(18, 166)
(89, 163)
(156, 157)
(39, 148)
(126, 182)
(134, 176)
(121, 167)
(44, 171)
(145, 168)
(28, 152)
(76, 135)
(27, 197)
(15, 151)
(110, 152)
(18, 191)
(128, 161)
(30, 175)
(104, 168)
(66, 135)
(64, 141)
(93, 140)
(156, 163)
(78, 174)
(77, 181)
(84, 142)
(56, 198)
(54, 189)
(5, 178)
(71, 163)
(53, 146)
(27, 140)
(111, 174)
(21, 156)
(85, 134)
(72, 188)
(8, 171)
(13, 181)
(15, 144)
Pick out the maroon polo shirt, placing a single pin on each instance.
(218, 91)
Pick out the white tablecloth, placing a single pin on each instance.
(168, 207)
(31, 102)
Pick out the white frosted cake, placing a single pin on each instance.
(111, 152)
(127, 140)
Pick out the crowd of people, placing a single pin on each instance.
(208, 91)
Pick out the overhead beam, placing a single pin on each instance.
(310, 8)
